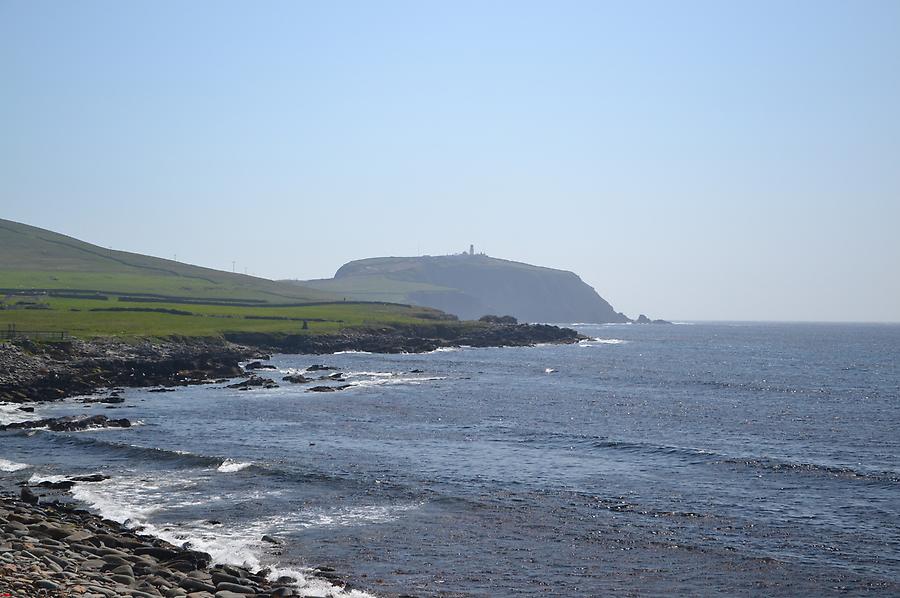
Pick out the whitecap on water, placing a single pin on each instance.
(594, 342)
(6, 465)
(230, 466)
(369, 374)
(445, 350)
(11, 413)
(345, 516)
(396, 380)
(37, 478)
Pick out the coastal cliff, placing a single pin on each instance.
(471, 286)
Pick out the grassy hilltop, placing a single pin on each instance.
(51, 282)
(471, 286)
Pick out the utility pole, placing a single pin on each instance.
(232, 266)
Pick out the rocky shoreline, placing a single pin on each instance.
(410, 339)
(52, 548)
(32, 371)
(57, 549)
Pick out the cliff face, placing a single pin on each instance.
(471, 286)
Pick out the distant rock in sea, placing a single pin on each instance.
(642, 319)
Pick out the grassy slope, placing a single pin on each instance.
(33, 258)
(471, 286)
(394, 278)
(77, 318)
(371, 287)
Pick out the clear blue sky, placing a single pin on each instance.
(690, 160)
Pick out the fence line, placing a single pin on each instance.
(12, 332)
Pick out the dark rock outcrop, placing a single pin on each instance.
(642, 319)
(329, 388)
(410, 338)
(506, 320)
(72, 423)
(254, 382)
(31, 371)
(258, 365)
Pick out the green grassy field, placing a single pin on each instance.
(54, 283)
(98, 318)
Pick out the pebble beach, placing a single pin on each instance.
(57, 549)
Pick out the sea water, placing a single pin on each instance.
(651, 460)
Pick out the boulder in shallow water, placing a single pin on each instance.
(329, 388)
(93, 477)
(29, 496)
(64, 424)
(319, 368)
(254, 382)
(72, 423)
(297, 379)
(258, 365)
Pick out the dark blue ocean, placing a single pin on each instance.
(696, 459)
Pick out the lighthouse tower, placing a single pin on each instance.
(472, 249)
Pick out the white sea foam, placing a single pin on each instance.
(396, 380)
(345, 516)
(6, 465)
(445, 350)
(134, 424)
(229, 466)
(369, 374)
(595, 342)
(549, 370)
(10, 414)
(37, 478)
(352, 353)
(132, 500)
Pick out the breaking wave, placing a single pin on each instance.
(11, 466)
(229, 466)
